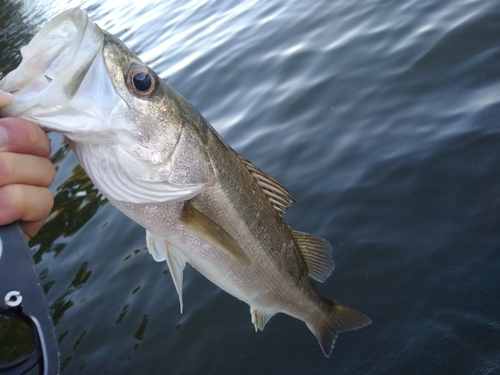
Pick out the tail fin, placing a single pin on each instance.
(341, 319)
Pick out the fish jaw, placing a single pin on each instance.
(61, 79)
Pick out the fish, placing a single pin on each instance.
(153, 156)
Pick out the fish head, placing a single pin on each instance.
(129, 129)
(83, 82)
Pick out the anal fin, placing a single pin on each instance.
(162, 250)
(260, 318)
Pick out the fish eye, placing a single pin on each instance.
(142, 82)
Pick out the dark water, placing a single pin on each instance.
(382, 119)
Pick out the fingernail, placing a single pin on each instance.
(4, 137)
(5, 98)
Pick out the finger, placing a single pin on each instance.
(25, 169)
(24, 202)
(31, 228)
(5, 98)
(23, 136)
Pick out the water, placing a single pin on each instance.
(381, 118)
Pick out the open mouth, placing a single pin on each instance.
(61, 50)
(62, 82)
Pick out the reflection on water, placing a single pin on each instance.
(16, 339)
(76, 202)
(17, 27)
(13, 37)
(64, 302)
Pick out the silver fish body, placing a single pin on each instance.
(155, 158)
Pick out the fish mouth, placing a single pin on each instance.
(54, 64)
(69, 40)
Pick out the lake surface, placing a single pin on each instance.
(381, 117)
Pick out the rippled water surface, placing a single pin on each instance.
(381, 118)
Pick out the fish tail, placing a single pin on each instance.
(340, 319)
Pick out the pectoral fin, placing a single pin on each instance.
(162, 250)
(212, 232)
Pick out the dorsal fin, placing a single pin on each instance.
(316, 253)
(277, 194)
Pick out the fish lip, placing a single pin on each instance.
(56, 58)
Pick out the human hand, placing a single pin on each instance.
(25, 175)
